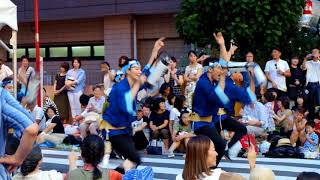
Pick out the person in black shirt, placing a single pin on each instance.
(297, 80)
(54, 131)
(159, 120)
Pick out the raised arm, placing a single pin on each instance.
(223, 51)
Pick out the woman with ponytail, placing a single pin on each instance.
(92, 152)
(30, 168)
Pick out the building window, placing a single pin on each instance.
(32, 52)
(20, 52)
(81, 51)
(98, 51)
(58, 52)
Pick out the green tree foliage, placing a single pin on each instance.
(255, 25)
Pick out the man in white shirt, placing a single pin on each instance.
(37, 114)
(255, 117)
(312, 81)
(5, 71)
(276, 71)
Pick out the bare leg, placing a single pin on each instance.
(166, 144)
(174, 146)
(294, 137)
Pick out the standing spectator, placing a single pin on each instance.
(312, 81)
(93, 110)
(299, 124)
(5, 71)
(245, 75)
(37, 114)
(255, 117)
(13, 115)
(54, 131)
(159, 120)
(276, 71)
(191, 76)
(174, 77)
(123, 60)
(296, 82)
(75, 83)
(25, 73)
(108, 77)
(60, 93)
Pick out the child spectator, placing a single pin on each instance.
(299, 123)
(54, 131)
(159, 120)
(270, 98)
(181, 133)
(139, 133)
(312, 140)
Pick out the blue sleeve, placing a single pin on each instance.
(236, 93)
(13, 114)
(81, 77)
(68, 74)
(214, 93)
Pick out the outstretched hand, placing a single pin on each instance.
(252, 156)
(159, 43)
(219, 38)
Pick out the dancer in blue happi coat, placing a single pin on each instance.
(122, 108)
(213, 96)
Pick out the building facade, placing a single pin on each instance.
(95, 31)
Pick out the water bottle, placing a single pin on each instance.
(160, 68)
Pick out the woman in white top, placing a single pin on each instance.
(191, 76)
(30, 168)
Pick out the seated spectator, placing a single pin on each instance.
(166, 91)
(255, 117)
(37, 114)
(146, 114)
(200, 157)
(317, 124)
(30, 168)
(5, 71)
(47, 102)
(181, 133)
(283, 118)
(311, 139)
(299, 123)
(92, 113)
(7, 84)
(299, 103)
(270, 98)
(308, 176)
(159, 120)
(54, 131)
(92, 153)
(175, 112)
(138, 132)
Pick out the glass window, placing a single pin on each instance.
(98, 50)
(20, 52)
(58, 51)
(32, 52)
(81, 51)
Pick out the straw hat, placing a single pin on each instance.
(284, 142)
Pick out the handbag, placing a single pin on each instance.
(154, 149)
